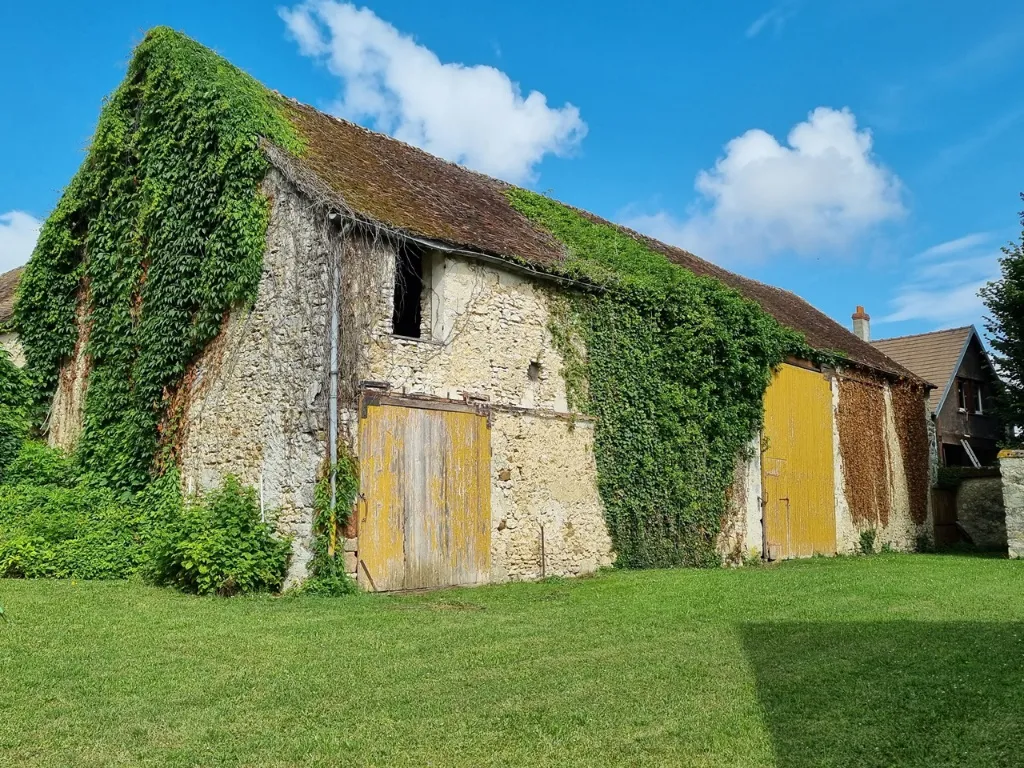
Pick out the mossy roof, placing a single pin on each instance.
(417, 193)
(405, 189)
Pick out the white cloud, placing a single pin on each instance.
(960, 244)
(822, 190)
(18, 234)
(775, 17)
(474, 115)
(943, 282)
(945, 305)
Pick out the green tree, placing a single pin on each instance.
(1004, 299)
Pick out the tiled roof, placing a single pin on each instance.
(932, 356)
(8, 284)
(406, 189)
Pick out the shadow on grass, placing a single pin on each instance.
(891, 693)
(964, 549)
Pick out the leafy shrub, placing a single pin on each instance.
(14, 394)
(867, 541)
(81, 532)
(327, 576)
(38, 464)
(218, 545)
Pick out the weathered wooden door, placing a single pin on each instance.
(424, 520)
(797, 465)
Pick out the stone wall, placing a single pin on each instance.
(742, 528)
(544, 486)
(9, 342)
(256, 400)
(1011, 468)
(742, 534)
(485, 333)
(894, 526)
(980, 513)
(67, 412)
(493, 327)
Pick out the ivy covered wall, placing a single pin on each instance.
(161, 230)
(675, 367)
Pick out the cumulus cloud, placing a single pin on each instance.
(18, 234)
(474, 115)
(821, 190)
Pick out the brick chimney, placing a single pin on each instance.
(862, 324)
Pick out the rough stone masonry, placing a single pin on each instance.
(1011, 467)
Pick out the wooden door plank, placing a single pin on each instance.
(798, 464)
(382, 524)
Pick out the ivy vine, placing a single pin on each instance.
(159, 233)
(327, 573)
(674, 366)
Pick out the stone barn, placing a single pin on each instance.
(405, 315)
(8, 335)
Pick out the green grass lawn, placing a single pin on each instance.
(887, 660)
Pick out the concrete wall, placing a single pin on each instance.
(9, 342)
(1011, 468)
(255, 404)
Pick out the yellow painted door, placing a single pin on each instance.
(425, 480)
(797, 465)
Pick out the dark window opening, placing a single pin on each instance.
(408, 315)
(955, 456)
(971, 396)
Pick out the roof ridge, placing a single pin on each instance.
(926, 333)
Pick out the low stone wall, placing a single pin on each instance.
(980, 513)
(1011, 468)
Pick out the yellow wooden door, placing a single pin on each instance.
(425, 519)
(797, 465)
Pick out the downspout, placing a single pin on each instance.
(332, 404)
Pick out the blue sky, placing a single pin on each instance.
(855, 153)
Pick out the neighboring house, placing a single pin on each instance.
(434, 297)
(955, 361)
(8, 336)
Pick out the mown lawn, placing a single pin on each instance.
(887, 660)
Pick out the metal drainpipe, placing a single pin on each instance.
(332, 406)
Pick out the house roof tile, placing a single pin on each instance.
(932, 356)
